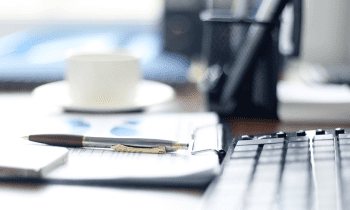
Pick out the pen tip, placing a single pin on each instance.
(25, 137)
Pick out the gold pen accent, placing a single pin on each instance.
(153, 150)
(178, 146)
(83, 141)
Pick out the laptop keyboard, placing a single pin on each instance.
(299, 170)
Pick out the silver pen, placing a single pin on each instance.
(122, 144)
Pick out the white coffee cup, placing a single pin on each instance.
(102, 80)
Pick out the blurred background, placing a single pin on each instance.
(35, 33)
(37, 36)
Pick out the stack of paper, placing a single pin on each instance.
(313, 102)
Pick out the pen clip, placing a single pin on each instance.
(152, 150)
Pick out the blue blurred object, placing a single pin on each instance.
(38, 56)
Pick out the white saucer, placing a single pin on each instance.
(148, 93)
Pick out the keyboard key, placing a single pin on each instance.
(273, 146)
(264, 187)
(338, 131)
(238, 173)
(293, 199)
(324, 149)
(345, 164)
(323, 137)
(297, 154)
(295, 183)
(344, 141)
(244, 162)
(265, 137)
(239, 169)
(298, 151)
(281, 134)
(290, 158)
(244, 154)
(298, 144)
(301, 133)
(323, 143)
(326, 184)
(246, 137)
(268, 153)
(344, 147)
(246, 148)
(296, 170)
(345, 154)
(267, 173)
(295, 175)
(265, 205)
(260, 141)
(299, 138)
(320, 132)
(234, 179)
(344, 136)
(270, 159)
(319, 156)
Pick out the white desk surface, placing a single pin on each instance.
(57, 196)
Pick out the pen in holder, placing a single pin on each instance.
(244, 61)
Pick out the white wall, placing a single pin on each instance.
(326, 31)
(17, 15)
(61, 10)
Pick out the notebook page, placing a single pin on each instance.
(179, 167)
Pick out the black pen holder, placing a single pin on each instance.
(224, 41)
